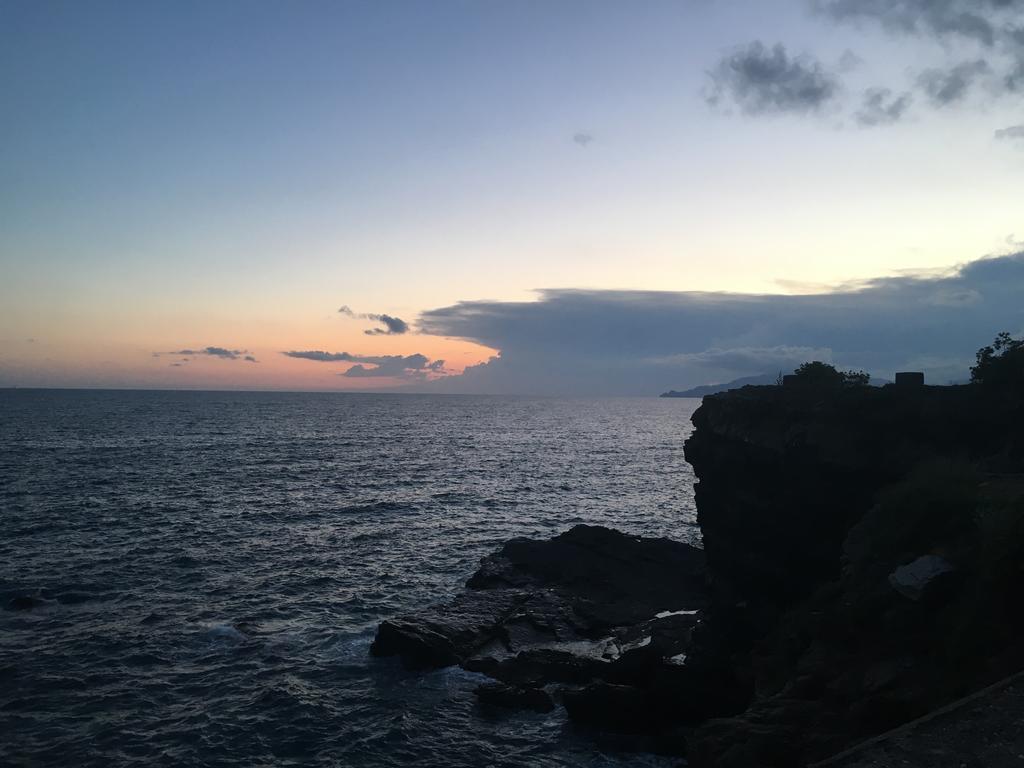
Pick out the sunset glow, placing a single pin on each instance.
(237, 191)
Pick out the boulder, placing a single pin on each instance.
(23, 603)
(449, 633)
(610, 707)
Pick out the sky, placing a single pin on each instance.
(540, 197)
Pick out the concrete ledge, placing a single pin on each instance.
(863, 754)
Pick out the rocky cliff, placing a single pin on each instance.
(865, 551)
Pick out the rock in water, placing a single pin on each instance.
(567, 594)
(23, 603)
(603, 615)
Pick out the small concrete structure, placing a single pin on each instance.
(910, 379)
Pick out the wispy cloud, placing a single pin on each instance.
(583, 139)
(1013, 133)
(222, 353)
(393, 326)
(982, 21)
(881, 106)
(323, 357)
(948, 86)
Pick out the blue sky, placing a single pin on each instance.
(192, 175)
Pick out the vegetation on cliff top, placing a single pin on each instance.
(1000, 364)
(823, 374)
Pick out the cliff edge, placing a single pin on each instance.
(865, 551)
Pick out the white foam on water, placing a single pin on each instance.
(226, 632)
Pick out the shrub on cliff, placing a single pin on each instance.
(1000, 364)
(822, 374)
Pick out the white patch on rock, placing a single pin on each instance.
(912, 579)
(638, 644)
(666, 614)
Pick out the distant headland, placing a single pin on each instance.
(714, 389)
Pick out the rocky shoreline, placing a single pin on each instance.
(863, 562)
(595, 620)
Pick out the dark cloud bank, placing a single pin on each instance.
(636, 342)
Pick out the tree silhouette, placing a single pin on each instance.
(1000, 364)
(822, 374)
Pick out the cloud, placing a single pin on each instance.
(947, 86)
(1013, 133)
(994, 26)
(1013, 82)
(761, 80)
(219, 352)
(982, 21)
(764, 359)
(583, 139)
(645, 342)
(849, 62)
(390, 365)
(881, 107)
(393, 326)
(323, 357)
(415, 367)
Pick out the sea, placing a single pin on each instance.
(209, 568)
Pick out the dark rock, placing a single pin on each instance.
(607, 614)
(920, 575)
(514, 697)
(543, 665)
(540, 596)
(607, 577)
(616, 708)
(449, 633)
(865, 559)
(23, 603)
